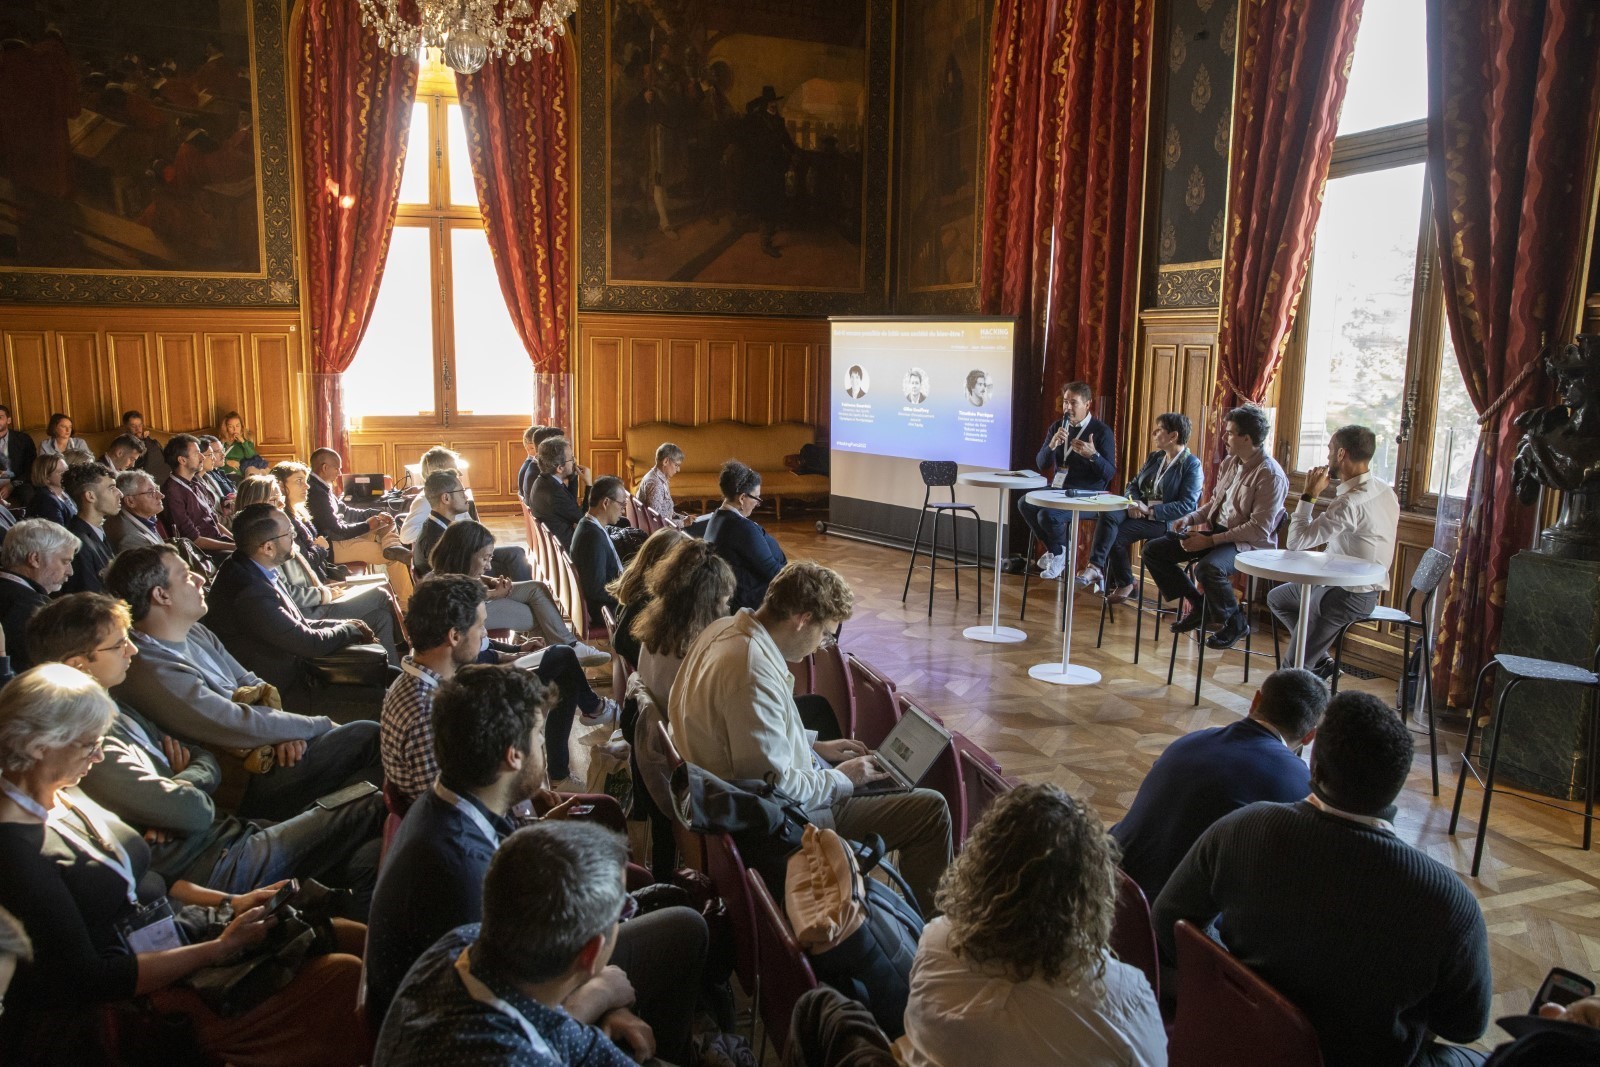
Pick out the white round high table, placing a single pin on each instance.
(1066, 672)
(994, 633)
(1307, 569)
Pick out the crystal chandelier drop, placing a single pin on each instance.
(468, 32)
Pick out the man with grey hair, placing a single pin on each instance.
(139, 522)
(528, 985)
(553, 504)
(653, 488)
(35, 560)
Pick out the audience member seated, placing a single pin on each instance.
(214, 480)
(1166, 487)
(163, 788)
(185, 682)
(260, 624)
(239, 455)
(510, 561)
(447, 501)
(1403, 954)
(317, 550)
(654, 489)
(122, 453)
(153, 459)
(733, 712)
(467, 548)
(553, 502)
(1017, 969)
(77, 456)
(8, 518)
(1242, 513)
(690, 590)
(1205, 775)
(1083, 453)
(58, 437)
(530, 465)
(188, 511)
(93, 491)
(17, 453)
(138, 521)
(49, 500)
(550, 984)
(752, 552)
(357, 535)
(77, 877)
(1362, 521)
(316, 598)
(594, 557)
(632, 589)
(35, 560)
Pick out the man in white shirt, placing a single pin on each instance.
(733, 712)
(1360, 522)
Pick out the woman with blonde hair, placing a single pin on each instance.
(632, 588)
(690, 589)
(1017, 969)
(49, 500)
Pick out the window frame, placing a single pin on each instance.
(1385, 148)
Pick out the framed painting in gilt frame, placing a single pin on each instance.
(734, 155)
(144, 153)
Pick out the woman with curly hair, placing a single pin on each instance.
(1016, 970)
(632, 588)
(689, 590)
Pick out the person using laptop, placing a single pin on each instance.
(732, 711)
(907, 754)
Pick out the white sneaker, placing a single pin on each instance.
(606, 713)
(589, 656)
(1056, 566)
(1044, 560)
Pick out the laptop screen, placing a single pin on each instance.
(914, 744)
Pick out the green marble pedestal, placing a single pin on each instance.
(1552, 612)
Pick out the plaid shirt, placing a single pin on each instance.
(406, 730)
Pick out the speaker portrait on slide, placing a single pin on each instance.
(916, 385)
(978, 385)
(859, 383)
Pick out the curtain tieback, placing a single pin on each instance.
(1511, 390)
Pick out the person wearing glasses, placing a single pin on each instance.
(259, 623)
(447, 866)
(139, 522)
(752, 553)
(553, 502)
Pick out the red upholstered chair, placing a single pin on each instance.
(1226, 1014)
(876, 709)
(944, 777)
(981, 780)
(830, 678)
(620, 671)
(785, 971)
(727, 871)
(1133, 935)
(802, 676)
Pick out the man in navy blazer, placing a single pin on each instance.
(94, 489)
(1167, 487)
(752, 553)
(552, 501)
(18, 452)
(257, 621)
(1083, 450)
(594, 556)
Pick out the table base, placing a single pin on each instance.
(995, 635)
(1071, 674)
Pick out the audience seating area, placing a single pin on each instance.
(706, 446)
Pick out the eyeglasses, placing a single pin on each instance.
(91, 748)
(752, 496)
(630, 908)
(125, 642)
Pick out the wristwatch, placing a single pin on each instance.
(1308, 498)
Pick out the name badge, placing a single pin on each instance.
(1059, 480)
(150, 929)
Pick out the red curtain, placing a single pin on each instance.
(1294, 64)
(353, 108)
(518, 125)
(1062, 202)
(1513, 87)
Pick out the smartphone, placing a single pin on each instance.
(339, 798)
(282, 896)
(1561, 987)
(580, 809)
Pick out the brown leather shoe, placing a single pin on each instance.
(1121, 596)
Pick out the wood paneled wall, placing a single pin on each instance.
(182, 368)
(494, 453)
(633, 369)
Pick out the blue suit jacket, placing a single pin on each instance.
(752, 553)
(264, 631)
(1083, 472)
(1179, 489)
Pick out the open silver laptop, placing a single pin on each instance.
(908, 753)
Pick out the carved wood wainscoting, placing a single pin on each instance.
(634, 369)
(492, 448)
(181, 368)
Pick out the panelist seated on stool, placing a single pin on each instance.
(1083, 450)
(1361, 522)
(1167, 487)
(1241, 514)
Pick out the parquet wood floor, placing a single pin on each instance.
(1539, 891)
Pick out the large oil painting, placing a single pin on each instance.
(734, 154)
(131, 145)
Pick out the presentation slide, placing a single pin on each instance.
(923, 389)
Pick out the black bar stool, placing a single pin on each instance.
(942, 474)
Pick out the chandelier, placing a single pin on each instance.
(468, 32)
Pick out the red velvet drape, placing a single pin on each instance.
(1294, 64)
(518, 135)
(353, 107)
(1514, 98)
(1062, 201)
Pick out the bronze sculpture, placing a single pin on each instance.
(1560, 449)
